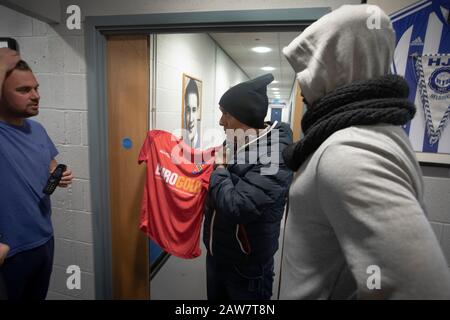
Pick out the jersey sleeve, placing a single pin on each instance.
(143, 154)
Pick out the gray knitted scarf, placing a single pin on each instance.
(381, 100)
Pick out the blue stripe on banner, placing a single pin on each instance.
(444, 45)
(407, 127)
(407, 9)
(410, 74)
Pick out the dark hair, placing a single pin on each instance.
(191, 88)
(21, 66)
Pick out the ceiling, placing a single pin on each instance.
(238, 46)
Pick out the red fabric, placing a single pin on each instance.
(174, 194)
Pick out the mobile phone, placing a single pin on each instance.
(54, 179)
(9, 43)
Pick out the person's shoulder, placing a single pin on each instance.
(281, 125)
(382, 137)
(284, 131)
(363, 150)
(34, 124)
(36, 127)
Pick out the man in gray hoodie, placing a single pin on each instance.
(357, 225)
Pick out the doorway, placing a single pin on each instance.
(128, 70)
(105, 179)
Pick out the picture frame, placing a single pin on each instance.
(433, 159)
(191, 110)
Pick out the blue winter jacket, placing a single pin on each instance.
(246, 201)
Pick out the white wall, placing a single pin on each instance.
(291, 105)
(437, 200)
(285, 114)
(228, 74)
(198, 56)
(390, 6)
(57, 59)
(44, 10)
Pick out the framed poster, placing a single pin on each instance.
(191, 110)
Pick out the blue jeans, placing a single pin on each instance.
(226, 281)
(27, 274)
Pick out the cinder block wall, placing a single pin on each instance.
(57, 58)
(437, 201)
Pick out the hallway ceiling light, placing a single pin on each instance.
(261, 49)
(267, 68)
(239, 45)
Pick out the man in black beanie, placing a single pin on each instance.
(248, 102)
(246, 199)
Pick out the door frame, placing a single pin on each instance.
(96, 30)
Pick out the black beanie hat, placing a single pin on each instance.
(247, 101)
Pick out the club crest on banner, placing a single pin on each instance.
(433, 74)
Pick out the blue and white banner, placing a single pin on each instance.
(433, 74)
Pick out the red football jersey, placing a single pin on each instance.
(175, 192)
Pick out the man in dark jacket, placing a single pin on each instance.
(247, 196)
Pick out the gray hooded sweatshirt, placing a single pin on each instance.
(357, 226)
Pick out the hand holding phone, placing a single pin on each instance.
(54, 179)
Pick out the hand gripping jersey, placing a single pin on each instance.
(422, 56)
(175, 192)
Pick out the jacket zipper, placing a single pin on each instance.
(211, 227)
(245, 245)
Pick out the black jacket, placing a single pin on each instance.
(246, 202)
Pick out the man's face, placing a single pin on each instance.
(227, 121)
(20, 97)
(230, 124)
(191, 115)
